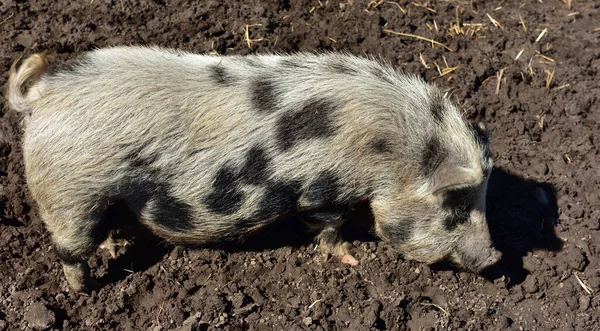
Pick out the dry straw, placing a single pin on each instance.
(417, 37)
(499, 77)
(496, 23)
(583, 285)
(6, 19)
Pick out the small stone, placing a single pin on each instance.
(584, 302)
(39, 317)
(307, 321)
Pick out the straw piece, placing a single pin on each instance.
(499, 77)
(541, 35)
(446, 71)
(583, 285)
(6, 19)
(549, 59)
(423, 62)
(418, 37)
(519, 55)
(522, 23)
(496, 23)
(399, 7)
(549, 77)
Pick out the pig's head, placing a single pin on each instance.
(442, 217)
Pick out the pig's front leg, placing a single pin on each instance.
(331, 243)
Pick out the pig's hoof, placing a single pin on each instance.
(78, 276)
(112, 245)
(349, 259)
(340, 251)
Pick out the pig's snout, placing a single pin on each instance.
(494, 257)
(477, 261)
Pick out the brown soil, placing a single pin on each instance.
(543, 205)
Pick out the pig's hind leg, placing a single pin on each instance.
(74, 241)
(329, 237)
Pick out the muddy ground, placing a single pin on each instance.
(529, 70)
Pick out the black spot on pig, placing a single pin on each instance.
(324, 190)
(168, 211)
(452, 221)
(437, 107)
(313, 120)
(461, 200)
(433, 155)
(381, 146)
(225, 197)
(256, 167)
(264, 95)
(342, 68)
(399, 231)
(460, 203)
(278, 199)
(220, 75)
(138, 158)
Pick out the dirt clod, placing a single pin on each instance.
(530, 285)
(39, 317)
(577, 259)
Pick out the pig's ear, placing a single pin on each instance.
(449, 175)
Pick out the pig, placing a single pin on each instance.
(208, 149)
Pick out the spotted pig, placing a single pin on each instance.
(205, 149)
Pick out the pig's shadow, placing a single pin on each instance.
(148, 250)
(522, 215)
